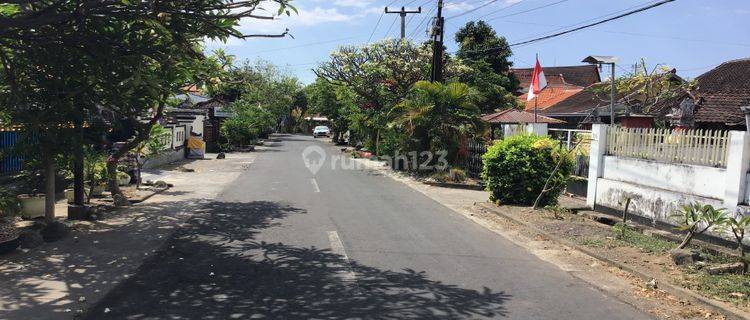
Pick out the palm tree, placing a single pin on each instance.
(436, 116)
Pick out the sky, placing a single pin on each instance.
(692, 36)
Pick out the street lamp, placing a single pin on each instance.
(608, 60)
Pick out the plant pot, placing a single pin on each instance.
(123, 180)
(8, 236)
(97, 191)
(32, 205)
(70, 195)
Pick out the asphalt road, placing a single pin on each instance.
(283, 243)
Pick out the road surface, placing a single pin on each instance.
(284, 243)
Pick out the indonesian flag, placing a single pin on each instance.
(538, 81)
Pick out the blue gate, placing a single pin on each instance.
(9, 163)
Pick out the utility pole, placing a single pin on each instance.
(403, 12)
(436, 74)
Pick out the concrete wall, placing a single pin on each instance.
(165, 158)
(682, 178)
(657, 189)
(652, 203)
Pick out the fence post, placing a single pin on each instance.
(539, 129)
(738, 161)
(596, 160)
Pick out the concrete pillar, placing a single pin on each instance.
(738, 161)
(596, 160)
(539, 129)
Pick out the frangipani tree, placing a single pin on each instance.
(125, 57)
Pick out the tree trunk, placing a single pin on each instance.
(141, 136)
(377, 143)
(114, 188)
(49, 188)
(686, 241)
(741, 250)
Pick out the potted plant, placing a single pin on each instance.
(95, 172)
(9, 207)
(31, 202)
(123, 179)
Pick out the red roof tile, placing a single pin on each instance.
(517, 116)
(722, 91)
(548, 97)
(581, 76)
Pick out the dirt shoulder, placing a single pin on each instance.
(623, 285)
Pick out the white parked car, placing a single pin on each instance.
(321, 131)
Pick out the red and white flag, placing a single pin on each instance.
(538, 81)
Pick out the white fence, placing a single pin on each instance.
(659, 170)
(700, 147)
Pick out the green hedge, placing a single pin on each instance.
(515, 169)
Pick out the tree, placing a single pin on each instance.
(122, 58)
(645, 90)
(248, 123)
(697, 218)
(332, 101)
(436, 116)
(487, 54)
(159, 140)
(477, 41)
(380, 75)
(739, 226)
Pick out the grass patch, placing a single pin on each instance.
(632, 237)
(734, 288)
(596, 243)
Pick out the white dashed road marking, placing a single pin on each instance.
(337, 247)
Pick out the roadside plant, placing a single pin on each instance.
(156, 143)
(697, 218)
(516, 170)
(739, 227)
(94, 170)
(9, 205)
(435, 116)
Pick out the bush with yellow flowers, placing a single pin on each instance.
(516, 168)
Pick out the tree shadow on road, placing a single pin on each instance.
(214, 268)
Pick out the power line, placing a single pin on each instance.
(473, 9)
(376, 26)
(501, 9)
(378, 23)
(391, 27)
(527, 10)
(592, 19)
(416, 30)
(651, 6)
(309, 44)
(660, 3)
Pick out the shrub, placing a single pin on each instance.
(516, 168)
(453, 175)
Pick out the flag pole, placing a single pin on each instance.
(536, 97)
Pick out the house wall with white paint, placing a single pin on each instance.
(657, 188)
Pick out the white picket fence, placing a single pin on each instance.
(700, 147)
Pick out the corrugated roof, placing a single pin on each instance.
(517, 116)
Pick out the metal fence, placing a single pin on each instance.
(9, 163)
(473, 162)
(700, 147)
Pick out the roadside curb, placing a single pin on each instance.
(730, 311)
(454, 185)
(148, 196)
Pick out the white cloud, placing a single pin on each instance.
(459, 6)
(353, 3)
